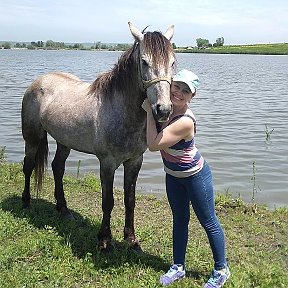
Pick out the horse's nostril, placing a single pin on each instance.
(158, 109)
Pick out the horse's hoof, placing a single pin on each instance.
(64, 212)
(137, 249)
(25, 202)
(67, 215)
(105, 246)
(25, 205)
(134, 246)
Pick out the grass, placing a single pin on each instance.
(261, 49)
(38, 249)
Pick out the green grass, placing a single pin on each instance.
(263, 49)
(38, 249)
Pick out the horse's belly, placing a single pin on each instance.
(72, 135)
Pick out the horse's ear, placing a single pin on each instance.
(138, 35)
(169, 33)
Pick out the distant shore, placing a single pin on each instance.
(258, 49)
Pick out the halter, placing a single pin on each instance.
(148, 83)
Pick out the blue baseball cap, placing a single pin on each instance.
(188, 78)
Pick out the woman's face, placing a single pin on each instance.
(180, 93)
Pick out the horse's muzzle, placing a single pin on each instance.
(162, 112)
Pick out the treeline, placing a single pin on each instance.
(53, 45)
(50, 44)
(204, 43)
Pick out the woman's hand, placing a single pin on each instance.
(146, 105)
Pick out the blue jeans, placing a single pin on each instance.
(197, 190)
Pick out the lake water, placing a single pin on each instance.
(241, 99)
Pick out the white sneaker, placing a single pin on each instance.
(218, 278)
(175, 272)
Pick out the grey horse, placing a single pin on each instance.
(103, 118)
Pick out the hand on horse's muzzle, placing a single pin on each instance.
(160, 112)
(146, 105)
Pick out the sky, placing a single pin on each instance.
(82, 21)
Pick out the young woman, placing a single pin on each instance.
(188, 179)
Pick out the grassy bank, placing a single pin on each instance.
(39, 250)
(261, 49)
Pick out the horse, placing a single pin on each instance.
(103, 118)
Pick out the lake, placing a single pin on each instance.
(241, 109)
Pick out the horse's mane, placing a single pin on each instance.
(122, 74)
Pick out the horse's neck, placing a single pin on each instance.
(133, 100)
(130, 88)
(124, 88)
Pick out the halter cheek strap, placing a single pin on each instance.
(148, 83)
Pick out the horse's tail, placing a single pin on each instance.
(41, 162)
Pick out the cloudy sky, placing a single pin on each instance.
(239, 22)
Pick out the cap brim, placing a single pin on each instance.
(180, 79)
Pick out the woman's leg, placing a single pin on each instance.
(180, 206)
(202, 198)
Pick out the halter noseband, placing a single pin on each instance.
(148, 83)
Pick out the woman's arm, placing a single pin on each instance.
(181, 129)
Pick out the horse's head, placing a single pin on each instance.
(155, 60)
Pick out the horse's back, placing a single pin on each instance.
(53, 83)
(60, 104)
(54, 80)
(52, 91)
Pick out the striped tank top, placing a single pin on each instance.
(183, 158)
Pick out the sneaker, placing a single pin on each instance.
(175, 272)
(218, 278)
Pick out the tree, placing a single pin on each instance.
(202, 43)
(40, 44)
(7, 45)
(219, 42)
(98, 45)
(122, 47)
(104, 46)
(78, 46)
(20, 45)
(50, 43)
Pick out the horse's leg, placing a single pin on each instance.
(28, 166)
(131, 171)
(107, 172)
(58, 167)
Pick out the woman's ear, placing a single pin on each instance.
(193, 94)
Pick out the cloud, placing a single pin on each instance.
(106, 21)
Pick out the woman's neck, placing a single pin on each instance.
(179, 110)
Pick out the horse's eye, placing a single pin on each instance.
(144, 62)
